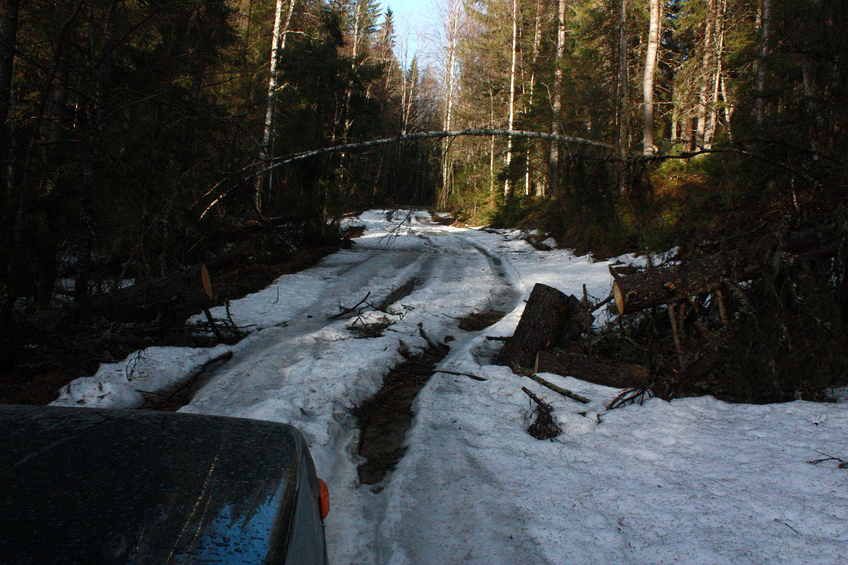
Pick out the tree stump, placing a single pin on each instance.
(550, 318)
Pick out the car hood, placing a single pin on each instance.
(115, 486)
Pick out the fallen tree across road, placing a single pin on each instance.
(655, 287)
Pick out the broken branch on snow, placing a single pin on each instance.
(349, 310)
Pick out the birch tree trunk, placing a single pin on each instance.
(649, 78)
(512, 70)
(712, 124)
(705, 76)
(278, 43)
(451, 23)
(717, 78)
(537, 35)
(553, 153)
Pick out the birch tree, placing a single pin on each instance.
(511, 102)
(705, 76)
(451, 13)
(278, 44)
(649, 77)
(553, 154)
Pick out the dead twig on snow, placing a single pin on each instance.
(629, 396)
(544, 426)
(842, 463)
(349, 310)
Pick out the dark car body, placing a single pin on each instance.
(84, 485)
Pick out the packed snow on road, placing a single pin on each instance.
(694, 481)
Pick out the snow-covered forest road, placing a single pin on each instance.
(693, 481)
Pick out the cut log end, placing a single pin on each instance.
(620, 298)
(206, 280)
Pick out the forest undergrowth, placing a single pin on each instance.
(776, 334)
(61, 347)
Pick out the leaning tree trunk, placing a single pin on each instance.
(655, 287)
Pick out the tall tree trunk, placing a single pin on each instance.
(8, 45)
(537, 36)
(278, 44)
(553, 151)
(728, 107)
(492, 145)
(718, 42)
(705, 76)
(102, 70)
(451, 23)
(624, 98)
(649, 78)
(54, 114)
(623, 83)
(762, 56)
(511, 104)
(675, 114)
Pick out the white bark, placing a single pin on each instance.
(537, 36)
(278, 43)
(705, 77)
(512, 67)
(451, 22)
(650, 77)
(553, 154)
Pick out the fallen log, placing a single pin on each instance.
(550, 318)
(590, 369)
(655, 287)
(184, 291)
(544, 406)
(556, 388)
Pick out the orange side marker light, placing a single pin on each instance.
(325, 498)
